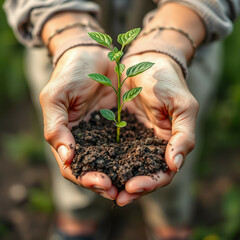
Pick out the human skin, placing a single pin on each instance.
(70, 96)
(165, 104)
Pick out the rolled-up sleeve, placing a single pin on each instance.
(27, 17)
(217, 15)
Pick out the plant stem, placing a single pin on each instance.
(118, 101)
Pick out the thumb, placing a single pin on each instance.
(182, 141)
(56, 130)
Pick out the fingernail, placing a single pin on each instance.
(106, 196)
(139, 191)
(178, 161)
(124, 204)
(63, 152)
(97, 187)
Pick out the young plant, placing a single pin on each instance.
(115, 55)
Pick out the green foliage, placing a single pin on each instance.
(223, 127)
(13, 86)
(108, 114)
(121, 124)
(115, 55)
(101, 38)
(126, 38)
(24, 148)
(40, 201)
(100, 78)
(231, 212)
(229, 227)
(119, 69)
(131, 94)
(138, 68)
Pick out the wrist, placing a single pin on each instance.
(179, 17)
(72, 25)
(160, 59)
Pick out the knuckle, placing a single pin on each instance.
(64, 174)
(195, 104)
(49, 135)
(192, 103)
(191, 142)
(49, 94)
(52, 132)
(169, 182)
(43, 94)
(192, 145)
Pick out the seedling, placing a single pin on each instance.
(115, 55)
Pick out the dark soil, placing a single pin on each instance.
(138, 153)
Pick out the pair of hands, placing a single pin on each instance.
(165, 104)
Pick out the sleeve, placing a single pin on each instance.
(27, 17)
(217, 15)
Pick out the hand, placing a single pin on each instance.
(71, 96)
(166, 105)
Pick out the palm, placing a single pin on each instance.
(71, 96)
(166, 105)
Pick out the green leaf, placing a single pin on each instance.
(121, 68)
(115, 50)
(131, 94)
(126, 38)
(101, 38)
(121, 124)
(139, 68)
(100, 78)
(108, 114)
(115, 56)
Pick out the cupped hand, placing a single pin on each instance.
(166, 105)
(71, 96)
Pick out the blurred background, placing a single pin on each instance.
(24, 178)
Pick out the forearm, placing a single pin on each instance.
(60, 21)
(178, 16)
(203, 20)
(28, 17)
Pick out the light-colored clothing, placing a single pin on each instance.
(27, 17)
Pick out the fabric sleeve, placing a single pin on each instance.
(217, 15)
(27, 17)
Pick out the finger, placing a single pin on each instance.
(146, 184)
(95, 181)
(183, 136)
(125, 198)
(65, 169)
(56, 131)
(111, 194)
(105, 188)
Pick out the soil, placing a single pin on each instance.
(138, 153)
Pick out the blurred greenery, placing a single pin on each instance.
(222, 131)
(40, 201)
(12, 81)
(24, 148)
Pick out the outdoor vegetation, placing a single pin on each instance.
(23, 165)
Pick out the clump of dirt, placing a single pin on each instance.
(138, 153)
